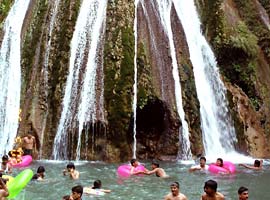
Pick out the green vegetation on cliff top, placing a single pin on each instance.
(5, 6)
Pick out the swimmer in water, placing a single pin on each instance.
(243, 193)
(210, 189)
(155, 170)
(201, 167)
(258, 164)
(175, 193)
(76, 193)
(70, 170)
(5, 166)
(96, 189)
(40, 175)
(219, 163)
(134, 164)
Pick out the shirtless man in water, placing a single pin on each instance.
(76, 193)
(156, 170)
(258, 165)
(201, 167)
(210, 189)
(243, 193)
(175, 193)
(29, 144)
(3, 190)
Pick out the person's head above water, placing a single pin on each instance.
(219, 162)
(97, 184)
(210, 187)
(202, 161)
(41, 169)
(134, 162)
(174, 188)
(257, 163)
(243, 193)
(5, 159)
(70, 166)
(176, 184)
(76, 192)
(155, 164)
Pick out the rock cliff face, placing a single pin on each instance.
(238, 31)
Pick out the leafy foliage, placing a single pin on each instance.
(5, 6)
(252, 17)
(236, 46)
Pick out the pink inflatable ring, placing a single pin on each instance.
(26, 160)
(228, 167)
(124, 170)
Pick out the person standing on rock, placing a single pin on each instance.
(29, 144)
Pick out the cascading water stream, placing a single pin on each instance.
(134, 105)
(10, 74)
(165, 17)
(54, 6)
(155, 45)
(87, 107)
(86, 38)
(217, 127)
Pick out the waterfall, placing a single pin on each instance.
(155, 46)
(217, 127)
(134, 105)
(164, 7)
(54, 7)
(10, 74)
(80, 87)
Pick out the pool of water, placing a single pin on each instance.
(151, 187)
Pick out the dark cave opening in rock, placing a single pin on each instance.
(150, 119)
(154, 131)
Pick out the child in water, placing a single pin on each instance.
(70, 170)
(40, 174)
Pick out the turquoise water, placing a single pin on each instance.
(151, 187)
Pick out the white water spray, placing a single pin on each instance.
(154, 44)
(217, 127)
(54, 12)
(87, 31)
(87, 107)
(10, 74)
(134, 105)
(164, 7)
